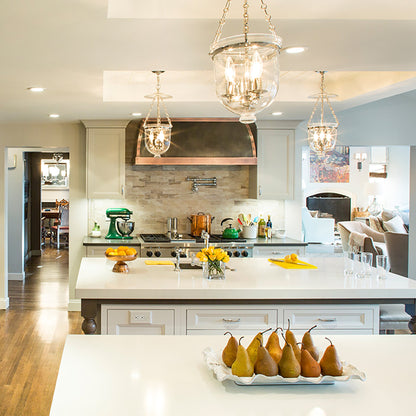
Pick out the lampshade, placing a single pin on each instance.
(246, 67)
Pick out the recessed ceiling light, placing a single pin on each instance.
(295, 49)
(54, 115)
(277, 113)
(136, 114)
(36, 89)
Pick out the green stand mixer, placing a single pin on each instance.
(120, 225)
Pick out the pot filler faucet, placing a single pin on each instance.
(205, 237)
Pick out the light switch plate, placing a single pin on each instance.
(140, 317)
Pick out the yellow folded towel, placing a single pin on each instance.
(287, 265)
(159, 262)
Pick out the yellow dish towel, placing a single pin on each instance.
(287, 265)
(159, 262)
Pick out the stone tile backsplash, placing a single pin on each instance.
(155, 193)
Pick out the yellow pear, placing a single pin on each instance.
(265, 364)
(242, 366)
(229, 353)
(273, 346)
(289, 366)
(309, 366)
(291, 339)
(330, 363)
(254, 345)
(307, 344)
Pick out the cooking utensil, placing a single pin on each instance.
(229, 232)
(124, 227)
(200, 222)
(239, 221)
(241, 218)
(255, 220)
(249, 218)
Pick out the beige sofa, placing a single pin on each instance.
(355, 235)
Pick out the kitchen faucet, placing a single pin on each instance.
(205, 237)
(178, 252)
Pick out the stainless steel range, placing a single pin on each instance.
(160, 245)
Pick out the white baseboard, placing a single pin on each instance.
(74, 305)
(4, 303)
(16, 276)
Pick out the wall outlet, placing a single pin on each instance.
(140, 317)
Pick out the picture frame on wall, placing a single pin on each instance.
(332, 167)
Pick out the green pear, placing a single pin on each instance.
(291, 339)
(273, 346)
(242, 366)
(307, 344)
(229, 353)
(309, 366)
(330, 363)
(289, 366)
(265, 364)
(254, 345)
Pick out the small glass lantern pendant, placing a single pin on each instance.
(323, 127)
(246, 68)
(157, 135)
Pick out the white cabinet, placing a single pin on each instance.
(243, 319)
(273, 177)
(135, 320)
(105, 159)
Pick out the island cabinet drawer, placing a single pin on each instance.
(227, 319)
(330, 318)
(139, 322)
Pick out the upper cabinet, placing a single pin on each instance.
(106, 158)
(273, 177)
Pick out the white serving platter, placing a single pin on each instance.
(214, 362)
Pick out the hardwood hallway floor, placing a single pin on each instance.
(32, 335)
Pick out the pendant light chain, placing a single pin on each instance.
(272, 28)
(322, 97)
(221, 22)
(245, 16)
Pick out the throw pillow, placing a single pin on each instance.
(395, 225)
(375, 224)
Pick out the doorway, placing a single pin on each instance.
(32, 191)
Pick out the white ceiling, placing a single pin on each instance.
(94, 57)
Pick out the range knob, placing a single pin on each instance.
(230, 253)
(244, 253)
(236, 254)
(149, 253)
(173, 253)
(158, 253)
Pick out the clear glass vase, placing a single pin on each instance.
(213, 270)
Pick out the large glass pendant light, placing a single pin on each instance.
(322, 125)
(246, 67)
(157, 134)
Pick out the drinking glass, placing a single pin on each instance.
(383, 266)
(367, 260)
(348, 263)
(358, 265)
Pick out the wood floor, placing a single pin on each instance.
(32, 335)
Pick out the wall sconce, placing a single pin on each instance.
(360, 158)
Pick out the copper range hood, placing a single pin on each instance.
(200, 141)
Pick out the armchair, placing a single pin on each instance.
(317, 230)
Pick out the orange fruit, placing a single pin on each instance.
(109, 250)
(121, 253)
(130, 252)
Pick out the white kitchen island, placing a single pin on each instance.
(154, 299)
(166, 376)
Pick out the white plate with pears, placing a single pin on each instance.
(272, 365)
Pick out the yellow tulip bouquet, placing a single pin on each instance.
(213, 259)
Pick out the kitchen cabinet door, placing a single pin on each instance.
(105, 163)
(273, 177)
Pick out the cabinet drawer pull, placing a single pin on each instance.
(327, 319)
(230, 320)
(277, 252)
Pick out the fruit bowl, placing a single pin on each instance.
(214, 362)
(121, 265)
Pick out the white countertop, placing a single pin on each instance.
(165, 376)
(254, 278)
